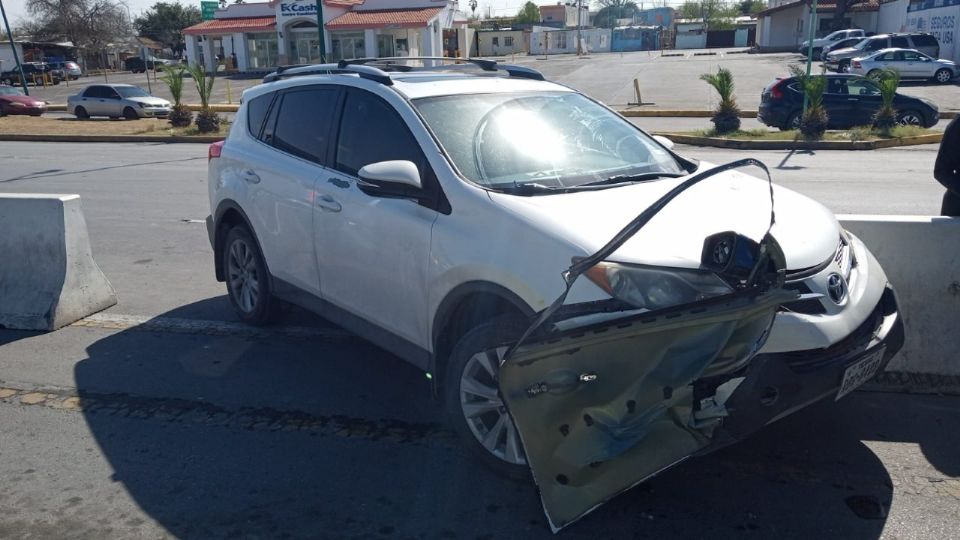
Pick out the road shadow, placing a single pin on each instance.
(278, 436)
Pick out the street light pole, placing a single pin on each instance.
(322, 43)
(813, 21)
(13, 47)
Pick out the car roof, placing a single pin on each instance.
(421, 84)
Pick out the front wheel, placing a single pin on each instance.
(472, 396)
(910, 118)
(943, 76)
(81, 113)
(248, 282)
(872, 74)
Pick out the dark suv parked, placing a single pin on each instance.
(839, 59)
(850, 100)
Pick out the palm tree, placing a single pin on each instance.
(173, 78)
(726, 117)
(886, 117)
(815, 119)
(207, 120)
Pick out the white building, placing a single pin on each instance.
(261, 36)
(501, 42)
(564, 15)
(555, 41)
(786, 24)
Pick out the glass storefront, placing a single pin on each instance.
(346, 46)
(304, 43)
(262, 50)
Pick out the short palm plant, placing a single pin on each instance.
(886, 117)
(207, 120)
(726, 117)
(814, 121)
(173, 78)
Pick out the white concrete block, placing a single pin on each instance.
(921, 256)
(48, 278)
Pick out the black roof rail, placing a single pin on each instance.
(482, 63)
(297, 70)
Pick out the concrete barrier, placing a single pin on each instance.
(48, 278)
(921, 256)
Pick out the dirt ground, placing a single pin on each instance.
(61, 125)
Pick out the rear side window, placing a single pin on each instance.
(900, 42)
(302, 126)
(372, 131)
(95, 92)
(876, 44)
(924, 41)
(257, 110)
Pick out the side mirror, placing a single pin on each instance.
(664, 141)
(397, 178)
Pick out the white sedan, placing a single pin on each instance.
(910, 63)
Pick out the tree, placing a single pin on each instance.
(726, 117)
(529, 13)
(89, 24)
(751, 7)
(611, 10)
(886, 117)
(164, 22)
(716, 13)
(207, 121)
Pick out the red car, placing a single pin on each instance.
(13, 101)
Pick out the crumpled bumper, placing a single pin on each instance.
(779, 384)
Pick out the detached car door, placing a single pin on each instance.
(602, 407)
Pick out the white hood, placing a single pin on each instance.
(151, 101)
(730, 201)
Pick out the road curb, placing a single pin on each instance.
(215, 107)
(206, 139)
(738, 144)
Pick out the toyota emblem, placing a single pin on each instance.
(836, 288)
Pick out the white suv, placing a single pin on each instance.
(445, 212)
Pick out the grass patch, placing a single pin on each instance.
(859, 133)
(61, 125)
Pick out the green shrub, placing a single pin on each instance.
(726, 117)
(886, 117)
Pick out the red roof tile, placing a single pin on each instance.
(380, 18)
(224, 26)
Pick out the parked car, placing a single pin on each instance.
(435, 220)
(69, 69)
(116, 100)
(139, 65)
(850, 100)
(14, 101)
(37, 73)
(842, 44)
(839, 60)
(821, 43)
(909, 63)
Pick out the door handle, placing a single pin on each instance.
(853, 99)
(250, 176)
(328, 204)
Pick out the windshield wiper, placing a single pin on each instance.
(629, 178)
(531, 188)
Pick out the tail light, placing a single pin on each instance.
(856, 63)
(214, 150)
(776, 93)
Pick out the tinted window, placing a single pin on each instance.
(886, 56)
(372, 131)
(303, 123)
(257, 112)
(924, 41)
(876, 44)
(910, 56)
(95, 92)
(862, 87)
(836, 85)
(900, 42)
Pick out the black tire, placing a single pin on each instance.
(943, 76)
(843, 66)
(793, 122)
(486, 336)
(130, 114)
(910, 118)
(81, 113)
(256, 305)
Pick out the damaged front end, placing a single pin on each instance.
(603, 401)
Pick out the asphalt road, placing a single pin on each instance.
(666, 82)
(163, 417)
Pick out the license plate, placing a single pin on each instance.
(860, 372)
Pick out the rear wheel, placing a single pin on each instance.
(844, 66)
(130, 114)
(910, 118)
(248, 282)
(81, 113)
(793, 122)
(943, 76)
(472, 396)
(873, 73)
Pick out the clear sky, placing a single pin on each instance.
(17, 9)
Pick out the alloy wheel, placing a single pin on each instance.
(484, 411)
(910, 119)
(944, 76)
(242, 275)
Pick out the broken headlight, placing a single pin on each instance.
(655, 287)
